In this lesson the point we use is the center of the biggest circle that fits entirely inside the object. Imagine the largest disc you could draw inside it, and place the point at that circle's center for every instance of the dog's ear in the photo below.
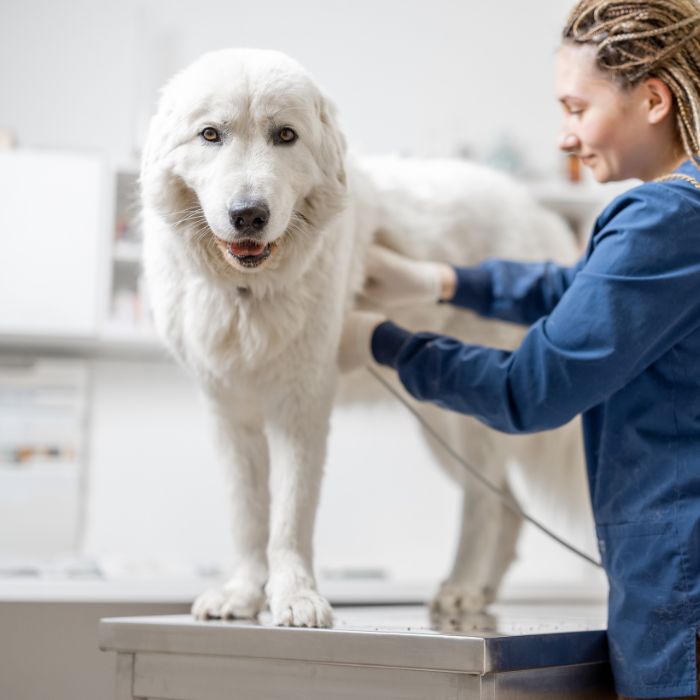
(160, 135)
(333, 146)
(155, 148)
(160, 187)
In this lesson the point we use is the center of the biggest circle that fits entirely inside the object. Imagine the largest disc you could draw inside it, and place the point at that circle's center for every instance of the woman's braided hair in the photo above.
(639, 39)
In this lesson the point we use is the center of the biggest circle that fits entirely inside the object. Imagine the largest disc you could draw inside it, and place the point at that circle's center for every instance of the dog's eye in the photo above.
(210, 134)
(286, 135)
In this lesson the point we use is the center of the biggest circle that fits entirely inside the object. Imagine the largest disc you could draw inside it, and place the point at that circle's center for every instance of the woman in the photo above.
(615, 338)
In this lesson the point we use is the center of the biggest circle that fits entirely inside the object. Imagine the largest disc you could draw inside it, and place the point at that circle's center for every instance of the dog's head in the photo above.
(245, 162)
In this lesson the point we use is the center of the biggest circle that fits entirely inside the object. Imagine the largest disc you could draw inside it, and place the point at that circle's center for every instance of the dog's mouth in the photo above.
(248, 252)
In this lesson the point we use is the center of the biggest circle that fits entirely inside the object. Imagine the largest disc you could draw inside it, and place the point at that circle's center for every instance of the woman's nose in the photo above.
(569, 142)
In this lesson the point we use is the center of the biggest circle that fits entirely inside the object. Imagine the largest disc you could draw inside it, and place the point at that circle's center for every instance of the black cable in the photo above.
(507, 499)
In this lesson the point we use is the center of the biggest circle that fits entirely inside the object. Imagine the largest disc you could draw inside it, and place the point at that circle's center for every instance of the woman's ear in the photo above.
(659, 100)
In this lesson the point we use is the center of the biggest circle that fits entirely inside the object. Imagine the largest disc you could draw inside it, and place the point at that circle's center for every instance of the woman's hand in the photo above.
(395, 280)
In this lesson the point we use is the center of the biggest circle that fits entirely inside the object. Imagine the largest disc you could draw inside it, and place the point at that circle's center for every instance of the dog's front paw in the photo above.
(458, 599)
(233, 601)
(301, 608)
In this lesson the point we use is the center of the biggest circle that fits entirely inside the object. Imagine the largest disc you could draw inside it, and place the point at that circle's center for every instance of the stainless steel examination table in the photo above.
(523, 651)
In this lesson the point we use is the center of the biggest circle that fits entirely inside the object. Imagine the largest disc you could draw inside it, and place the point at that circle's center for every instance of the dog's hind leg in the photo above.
(244, 448)
(466, 589)
(471, 584)
(504, 554)
(298, 438)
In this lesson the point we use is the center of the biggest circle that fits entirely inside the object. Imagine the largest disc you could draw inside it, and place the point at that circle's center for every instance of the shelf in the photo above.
(117, 334)
(121, 342)
(112, 343)
(577, 199)
(91, 590)
(39, 470)
(127, 252)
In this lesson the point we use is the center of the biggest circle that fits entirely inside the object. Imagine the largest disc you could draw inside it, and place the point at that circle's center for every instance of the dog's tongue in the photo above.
(243, 248)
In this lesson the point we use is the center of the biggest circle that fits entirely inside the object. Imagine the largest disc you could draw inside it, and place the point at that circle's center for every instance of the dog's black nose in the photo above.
(249, 216)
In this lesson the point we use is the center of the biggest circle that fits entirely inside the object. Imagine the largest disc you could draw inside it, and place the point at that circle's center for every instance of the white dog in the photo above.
(256, 227)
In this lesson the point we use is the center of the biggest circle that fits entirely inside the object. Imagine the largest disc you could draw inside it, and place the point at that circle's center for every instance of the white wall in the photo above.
(410, 77)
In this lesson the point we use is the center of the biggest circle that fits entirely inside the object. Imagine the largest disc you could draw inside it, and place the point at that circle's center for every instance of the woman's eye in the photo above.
(286, 135)
(210, 134)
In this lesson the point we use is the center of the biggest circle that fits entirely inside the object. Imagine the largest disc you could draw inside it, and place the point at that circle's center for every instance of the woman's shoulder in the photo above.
(661, 202)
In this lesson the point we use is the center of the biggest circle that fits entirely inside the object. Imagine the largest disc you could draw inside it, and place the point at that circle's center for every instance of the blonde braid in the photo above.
(638, 39)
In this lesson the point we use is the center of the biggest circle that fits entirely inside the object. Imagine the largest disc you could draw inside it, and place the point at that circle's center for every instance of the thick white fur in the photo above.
(262, 343)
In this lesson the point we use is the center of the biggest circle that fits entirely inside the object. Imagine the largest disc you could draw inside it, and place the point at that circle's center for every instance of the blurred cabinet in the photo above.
(128, 317)
(43, 414)
(51, 243)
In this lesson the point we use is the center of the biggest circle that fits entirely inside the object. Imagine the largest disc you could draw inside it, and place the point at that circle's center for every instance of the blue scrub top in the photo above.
(617, 339)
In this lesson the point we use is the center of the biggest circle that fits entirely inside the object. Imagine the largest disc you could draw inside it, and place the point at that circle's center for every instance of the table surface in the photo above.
(507, 637)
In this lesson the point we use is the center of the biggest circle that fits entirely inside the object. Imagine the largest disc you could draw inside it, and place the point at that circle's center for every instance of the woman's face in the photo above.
(606, 126)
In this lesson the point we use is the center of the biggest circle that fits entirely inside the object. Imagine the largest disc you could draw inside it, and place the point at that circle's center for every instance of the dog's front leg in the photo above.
(298, 438)
(243, 447)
